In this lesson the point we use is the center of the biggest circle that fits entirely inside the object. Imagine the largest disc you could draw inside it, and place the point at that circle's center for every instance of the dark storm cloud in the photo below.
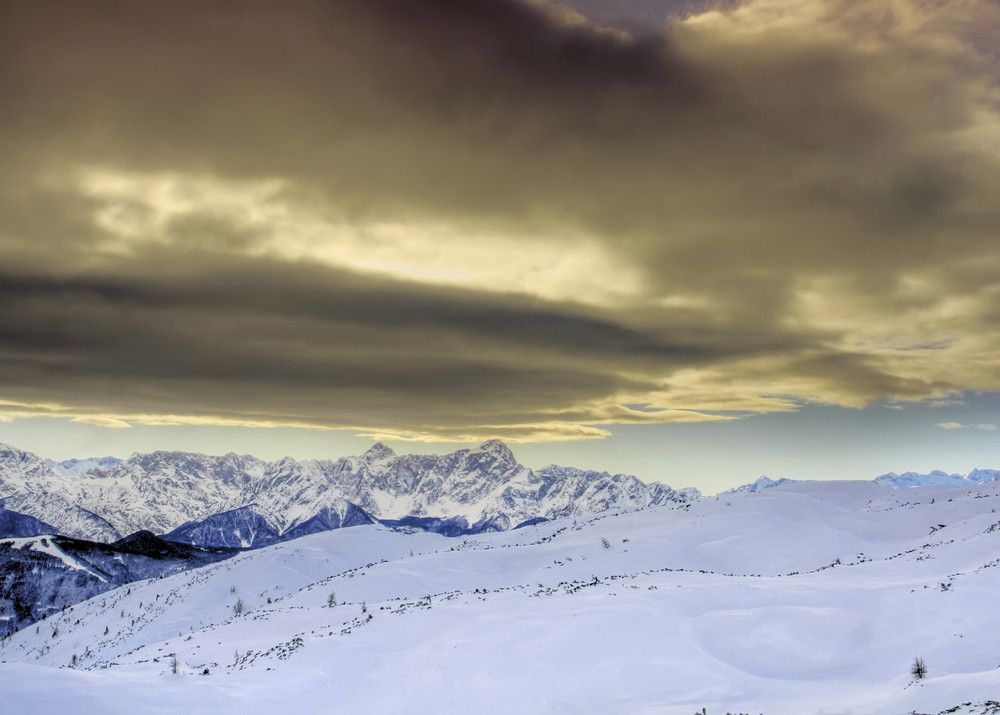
(782, 194)
(246, 336)
(278, 291)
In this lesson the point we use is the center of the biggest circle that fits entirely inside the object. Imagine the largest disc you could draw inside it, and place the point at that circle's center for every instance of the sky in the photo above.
(693, 241)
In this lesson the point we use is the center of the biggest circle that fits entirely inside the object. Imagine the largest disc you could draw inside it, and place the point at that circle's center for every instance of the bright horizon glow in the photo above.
(710, 456)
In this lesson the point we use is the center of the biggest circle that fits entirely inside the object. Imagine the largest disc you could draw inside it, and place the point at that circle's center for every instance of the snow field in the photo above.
(806, 598)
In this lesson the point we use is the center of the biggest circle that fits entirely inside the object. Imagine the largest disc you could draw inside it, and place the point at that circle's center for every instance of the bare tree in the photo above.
(919, 669)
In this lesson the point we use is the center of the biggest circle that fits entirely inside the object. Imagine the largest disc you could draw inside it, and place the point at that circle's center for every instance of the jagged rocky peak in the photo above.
(496, 449)
(241, 460)
(378, 451)
(286, 464)
(154, 461)
(18, 461)
(11, 453)
(74, 468)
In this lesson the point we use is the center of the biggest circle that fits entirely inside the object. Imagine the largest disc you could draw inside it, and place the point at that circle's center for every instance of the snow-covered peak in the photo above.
(10, 455)
(761, 483)
(492, 455)
(378, 452)
(907, 480)
(285, 464)
(74, 468)
(158, 461)
(18, 467)
(496, 448)
(979, 476)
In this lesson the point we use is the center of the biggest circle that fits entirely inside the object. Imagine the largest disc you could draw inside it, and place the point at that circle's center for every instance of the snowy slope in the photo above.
(40, 575)
(811, 598)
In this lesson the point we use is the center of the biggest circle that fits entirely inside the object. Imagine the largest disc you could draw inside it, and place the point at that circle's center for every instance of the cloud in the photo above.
(986, 427)
(101, 421)
(461, 218)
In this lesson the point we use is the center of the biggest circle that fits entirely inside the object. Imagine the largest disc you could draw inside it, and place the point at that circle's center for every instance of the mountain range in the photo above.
(244, 502)
(937, 478)
(240, 501)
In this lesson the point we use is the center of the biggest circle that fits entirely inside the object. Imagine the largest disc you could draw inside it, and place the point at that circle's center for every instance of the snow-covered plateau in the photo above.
(812, 597)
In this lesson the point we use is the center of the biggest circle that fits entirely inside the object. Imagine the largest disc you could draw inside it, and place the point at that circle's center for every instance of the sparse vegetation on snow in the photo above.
(807, 598)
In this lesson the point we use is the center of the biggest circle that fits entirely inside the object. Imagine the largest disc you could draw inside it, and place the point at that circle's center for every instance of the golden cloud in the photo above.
(449, 220)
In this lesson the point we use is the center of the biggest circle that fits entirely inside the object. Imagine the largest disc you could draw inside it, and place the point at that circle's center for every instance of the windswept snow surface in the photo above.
(812, 598)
